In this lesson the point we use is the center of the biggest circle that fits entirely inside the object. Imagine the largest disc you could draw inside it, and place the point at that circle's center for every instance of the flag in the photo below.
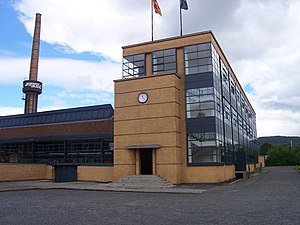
(156, 7)
(184, 5)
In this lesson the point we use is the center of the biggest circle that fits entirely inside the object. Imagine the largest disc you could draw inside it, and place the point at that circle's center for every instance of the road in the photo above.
(272, 197)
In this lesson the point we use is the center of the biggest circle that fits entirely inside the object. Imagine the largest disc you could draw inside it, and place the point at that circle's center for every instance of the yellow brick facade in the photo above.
(161, 120)
(157, 121)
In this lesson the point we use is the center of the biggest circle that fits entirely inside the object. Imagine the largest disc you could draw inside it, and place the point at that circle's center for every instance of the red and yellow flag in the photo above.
(156, 7)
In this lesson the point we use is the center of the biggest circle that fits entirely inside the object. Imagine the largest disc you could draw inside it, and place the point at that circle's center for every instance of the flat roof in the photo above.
(169, 39)
(97, 112)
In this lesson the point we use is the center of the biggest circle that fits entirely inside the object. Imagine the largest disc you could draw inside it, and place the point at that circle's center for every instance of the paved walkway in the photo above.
(89, 186)
(94, 186)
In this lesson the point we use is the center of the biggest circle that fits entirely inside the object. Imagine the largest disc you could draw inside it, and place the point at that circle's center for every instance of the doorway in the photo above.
(65, 173)
(146, 162)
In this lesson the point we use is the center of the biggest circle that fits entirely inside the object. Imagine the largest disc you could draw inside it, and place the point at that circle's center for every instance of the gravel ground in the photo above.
(272, 197)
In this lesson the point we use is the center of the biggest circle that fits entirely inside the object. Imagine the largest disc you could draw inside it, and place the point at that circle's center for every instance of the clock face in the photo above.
(143, 97)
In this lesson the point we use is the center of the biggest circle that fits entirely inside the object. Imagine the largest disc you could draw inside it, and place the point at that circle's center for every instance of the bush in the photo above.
(281, 155)
(296, 152)
(264, 148)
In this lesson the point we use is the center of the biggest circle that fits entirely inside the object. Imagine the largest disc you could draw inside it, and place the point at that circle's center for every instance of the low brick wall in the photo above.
(95, 173)
(208, 174)
(250, 168)
(21, 172)
(261, 160)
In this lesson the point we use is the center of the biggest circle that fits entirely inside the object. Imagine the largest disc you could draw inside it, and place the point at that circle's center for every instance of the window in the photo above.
(202, 148)
(134, 66)
(198, 58)
(82, 152)
(200, 102)
(164, 61)
(232, 88)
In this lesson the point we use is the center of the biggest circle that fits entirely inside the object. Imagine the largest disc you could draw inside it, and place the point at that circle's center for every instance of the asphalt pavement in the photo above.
(271, 197)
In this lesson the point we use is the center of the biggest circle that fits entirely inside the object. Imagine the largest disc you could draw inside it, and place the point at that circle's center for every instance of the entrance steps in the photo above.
(141, 181)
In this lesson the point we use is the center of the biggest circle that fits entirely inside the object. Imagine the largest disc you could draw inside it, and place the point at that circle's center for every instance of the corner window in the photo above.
(134, 66)
(198, 58)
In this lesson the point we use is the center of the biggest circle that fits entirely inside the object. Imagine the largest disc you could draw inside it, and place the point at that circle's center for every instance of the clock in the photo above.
(143, 97)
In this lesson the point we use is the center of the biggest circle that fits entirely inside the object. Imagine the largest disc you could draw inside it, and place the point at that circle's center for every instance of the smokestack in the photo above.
(32, 87)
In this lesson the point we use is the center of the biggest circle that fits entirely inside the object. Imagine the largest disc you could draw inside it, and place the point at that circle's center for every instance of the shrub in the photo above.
(281, 155)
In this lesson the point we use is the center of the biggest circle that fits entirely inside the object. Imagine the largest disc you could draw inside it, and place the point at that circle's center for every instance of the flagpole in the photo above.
(180, 20)
(151, 20)
(182, 5)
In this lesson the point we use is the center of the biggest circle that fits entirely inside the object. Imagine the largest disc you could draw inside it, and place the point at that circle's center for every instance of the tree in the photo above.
(296, 153)
(281, 155)
(264, 148)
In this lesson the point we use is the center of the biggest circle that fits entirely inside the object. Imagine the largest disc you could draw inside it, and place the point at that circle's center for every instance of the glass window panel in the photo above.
(194, 106)
(192, 70)
(192, 99)
(170, 67)
(205, 46)
(207, 98)
(129, 58)
(158, 61)
(190, 56)
(203, 69)
(158, 68)
(192, 48)
(192, 92)
(207, 113)
(170, 52)
(157, 54)
(141, 71)
(139, 57)
(204, 54)
(194, 114)
(191, 63)
(207, 105)
(169, 59)
(139, 64)
(204, 61)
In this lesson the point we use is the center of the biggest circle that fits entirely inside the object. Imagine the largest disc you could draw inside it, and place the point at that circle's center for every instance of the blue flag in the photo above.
(184, 5)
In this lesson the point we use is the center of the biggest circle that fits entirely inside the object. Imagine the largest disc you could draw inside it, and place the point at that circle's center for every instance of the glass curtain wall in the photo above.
(203, 105)
(213, 95)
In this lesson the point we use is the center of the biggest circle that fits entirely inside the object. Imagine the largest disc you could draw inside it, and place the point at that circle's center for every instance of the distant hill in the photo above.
(276, 140)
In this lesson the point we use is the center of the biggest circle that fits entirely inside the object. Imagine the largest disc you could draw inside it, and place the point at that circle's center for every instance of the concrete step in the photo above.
(142, 181)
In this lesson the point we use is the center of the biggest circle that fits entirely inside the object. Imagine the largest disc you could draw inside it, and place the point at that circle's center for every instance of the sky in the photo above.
(81, 52)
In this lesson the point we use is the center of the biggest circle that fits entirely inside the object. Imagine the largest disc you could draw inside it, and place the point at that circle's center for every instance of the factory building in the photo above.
(180, 113)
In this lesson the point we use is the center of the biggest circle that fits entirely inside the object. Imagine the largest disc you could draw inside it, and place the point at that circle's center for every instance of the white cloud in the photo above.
(78, 82)
(69, 74)
(91, 25)
(266, 54)
(4, 111)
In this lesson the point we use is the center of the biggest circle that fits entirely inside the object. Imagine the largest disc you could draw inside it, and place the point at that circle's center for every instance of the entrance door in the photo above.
(65, 173)
(146, 161)
(240, 164)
